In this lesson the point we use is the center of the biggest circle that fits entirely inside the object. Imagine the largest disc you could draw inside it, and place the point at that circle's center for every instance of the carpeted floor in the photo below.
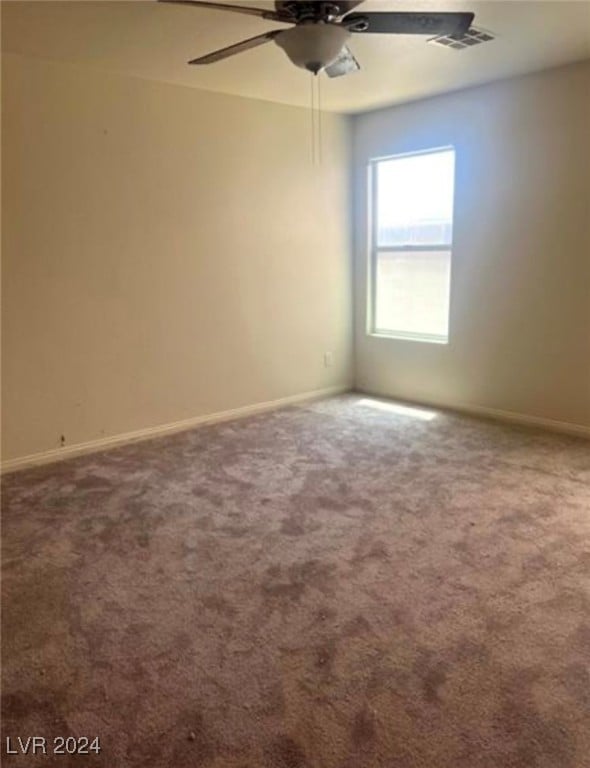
(329, 586)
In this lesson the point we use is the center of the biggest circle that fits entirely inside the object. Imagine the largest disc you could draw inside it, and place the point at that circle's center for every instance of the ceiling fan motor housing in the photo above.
(313, 46)
(316, 10)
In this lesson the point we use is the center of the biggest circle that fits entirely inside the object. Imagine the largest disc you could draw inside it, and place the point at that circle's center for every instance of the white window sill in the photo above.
(409, 337)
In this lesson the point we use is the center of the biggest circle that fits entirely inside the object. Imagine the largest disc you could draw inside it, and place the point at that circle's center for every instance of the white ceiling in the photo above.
(147, 39)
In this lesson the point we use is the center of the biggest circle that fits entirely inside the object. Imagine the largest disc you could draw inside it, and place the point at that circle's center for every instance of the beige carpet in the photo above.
(338, 585)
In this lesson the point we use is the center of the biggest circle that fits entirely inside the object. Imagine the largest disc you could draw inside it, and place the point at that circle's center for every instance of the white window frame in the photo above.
(374, 250)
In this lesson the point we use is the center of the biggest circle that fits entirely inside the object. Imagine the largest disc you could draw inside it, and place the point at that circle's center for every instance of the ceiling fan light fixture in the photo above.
(313, 46)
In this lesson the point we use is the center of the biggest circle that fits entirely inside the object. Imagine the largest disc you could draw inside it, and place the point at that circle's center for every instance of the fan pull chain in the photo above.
(319, 81)
(312, 114)
(316, 120)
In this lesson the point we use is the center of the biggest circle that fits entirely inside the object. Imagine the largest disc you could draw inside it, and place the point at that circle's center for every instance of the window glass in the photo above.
(413, 233)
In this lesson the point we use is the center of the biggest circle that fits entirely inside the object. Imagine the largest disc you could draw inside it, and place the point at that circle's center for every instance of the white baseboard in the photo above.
(510, 417)
(92, 446)
(524, 419)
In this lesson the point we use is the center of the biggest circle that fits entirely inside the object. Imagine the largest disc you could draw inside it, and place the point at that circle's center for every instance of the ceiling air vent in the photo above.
(459, 42)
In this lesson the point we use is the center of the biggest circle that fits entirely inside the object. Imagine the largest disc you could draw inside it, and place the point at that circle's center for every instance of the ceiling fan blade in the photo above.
(231, 50)
(260, 12)
(343, 65)
(410, 23)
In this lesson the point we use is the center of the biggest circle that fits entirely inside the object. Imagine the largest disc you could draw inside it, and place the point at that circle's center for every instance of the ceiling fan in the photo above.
(317, 39)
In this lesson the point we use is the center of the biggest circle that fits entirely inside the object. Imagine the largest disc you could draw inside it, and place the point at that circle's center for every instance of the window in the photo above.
(411, 240)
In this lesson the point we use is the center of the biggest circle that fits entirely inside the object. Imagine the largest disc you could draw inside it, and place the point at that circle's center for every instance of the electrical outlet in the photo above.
(328, 359)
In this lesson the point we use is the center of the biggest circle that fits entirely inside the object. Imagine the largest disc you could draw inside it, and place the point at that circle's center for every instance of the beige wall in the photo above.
(167, 253)
(520, 295)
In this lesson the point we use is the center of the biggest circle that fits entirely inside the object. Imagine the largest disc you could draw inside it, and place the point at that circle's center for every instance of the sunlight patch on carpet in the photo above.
(399, 410)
